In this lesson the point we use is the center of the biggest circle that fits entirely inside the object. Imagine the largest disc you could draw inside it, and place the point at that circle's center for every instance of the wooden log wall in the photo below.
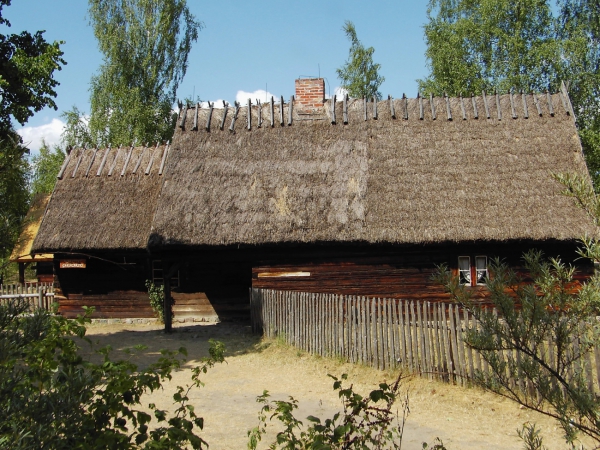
(422, 337)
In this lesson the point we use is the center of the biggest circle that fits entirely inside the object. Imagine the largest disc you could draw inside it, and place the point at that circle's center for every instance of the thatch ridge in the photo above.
(525, 107)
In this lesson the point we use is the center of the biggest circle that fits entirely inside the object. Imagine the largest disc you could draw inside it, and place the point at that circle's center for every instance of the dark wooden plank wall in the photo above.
(215, 282)
(397, 272)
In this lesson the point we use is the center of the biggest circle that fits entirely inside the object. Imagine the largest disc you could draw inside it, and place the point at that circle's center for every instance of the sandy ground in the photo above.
(464, 418)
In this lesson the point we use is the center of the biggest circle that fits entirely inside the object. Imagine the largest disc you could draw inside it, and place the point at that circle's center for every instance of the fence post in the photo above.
(40, 298)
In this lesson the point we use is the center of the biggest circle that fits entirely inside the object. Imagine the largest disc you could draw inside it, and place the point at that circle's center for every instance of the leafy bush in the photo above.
(365, 422)
(157, 299)
(531, 314)
(51, 397)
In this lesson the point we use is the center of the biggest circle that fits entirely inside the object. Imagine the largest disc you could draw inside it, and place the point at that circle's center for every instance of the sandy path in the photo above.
(462, 418)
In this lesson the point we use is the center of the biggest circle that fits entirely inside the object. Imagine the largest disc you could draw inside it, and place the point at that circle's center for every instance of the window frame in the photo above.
(470, 276)
(477, 270)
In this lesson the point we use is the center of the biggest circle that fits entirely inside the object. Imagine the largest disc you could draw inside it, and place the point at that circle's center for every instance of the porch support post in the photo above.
(22, 273)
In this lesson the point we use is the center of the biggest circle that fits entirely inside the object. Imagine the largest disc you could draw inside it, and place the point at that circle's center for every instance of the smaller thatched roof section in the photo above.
(104, 199)
(424, 170)
(31, 224)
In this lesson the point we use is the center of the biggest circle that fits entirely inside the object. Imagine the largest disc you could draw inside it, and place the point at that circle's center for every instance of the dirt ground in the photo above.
(464, 418)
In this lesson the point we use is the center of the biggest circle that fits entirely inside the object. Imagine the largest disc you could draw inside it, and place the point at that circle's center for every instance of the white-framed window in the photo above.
(158, 277)
(472, 275)
(481, 269)
(464, 270)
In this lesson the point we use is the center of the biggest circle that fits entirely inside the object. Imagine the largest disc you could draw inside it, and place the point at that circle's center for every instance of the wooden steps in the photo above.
(134, 305)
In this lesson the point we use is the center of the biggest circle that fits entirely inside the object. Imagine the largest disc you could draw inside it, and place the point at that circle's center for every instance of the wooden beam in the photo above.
(260, 121)
(365, 107)
(139, 161)
(168, 271)
(448, 110)
(537, 104)
(65, 163)
(421, 115)
(405, 106)
(345, 108)
(149, 166)
(392, 109)
(249, 115)
(485, 105)
(474, 102)
(164, 159)
(81, 152)
(103, 162)
(512, 105)
(127, 159)
(183, 116)
(462, 107)
(498, 108)
(566, 100)
(272, 112)
(525, 110)
(281, 121)
(333, 109)
(114, 163)
(89, 167)
(235, 114)
(550, 105)
(195, 127)
(374, 100)
(291, 110)
(225, 107)
(431, 102)
(209, 118)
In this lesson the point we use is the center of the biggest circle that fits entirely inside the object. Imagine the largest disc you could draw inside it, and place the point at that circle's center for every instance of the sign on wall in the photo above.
(73, 264)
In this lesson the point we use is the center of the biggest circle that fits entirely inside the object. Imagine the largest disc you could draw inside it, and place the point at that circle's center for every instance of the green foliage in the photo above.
(53, 398)
(46, 165)
(26, 74)
(365, 422)
(579, 29)
(145, 44)
(501, 44)
(360, 75)
(490, 44)
(157, 299)
(530, 435)
(529, 313)
(14, 194)
(76, 132)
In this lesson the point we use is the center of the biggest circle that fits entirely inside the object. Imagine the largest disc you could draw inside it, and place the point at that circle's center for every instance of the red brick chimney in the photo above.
(310, 92)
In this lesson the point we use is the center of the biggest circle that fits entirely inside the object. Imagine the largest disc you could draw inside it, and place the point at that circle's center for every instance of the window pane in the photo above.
(481, 269)
(464, 269)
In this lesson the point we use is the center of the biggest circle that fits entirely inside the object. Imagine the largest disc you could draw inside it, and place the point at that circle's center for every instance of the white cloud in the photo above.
(260, 94)
(50, 132)
(339, 92)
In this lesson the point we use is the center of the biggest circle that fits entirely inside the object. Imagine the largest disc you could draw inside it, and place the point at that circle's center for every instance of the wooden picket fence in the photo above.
(421, 337)
(38, 295)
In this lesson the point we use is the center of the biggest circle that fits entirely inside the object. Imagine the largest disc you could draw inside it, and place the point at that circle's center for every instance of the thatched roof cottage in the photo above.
(320, 195)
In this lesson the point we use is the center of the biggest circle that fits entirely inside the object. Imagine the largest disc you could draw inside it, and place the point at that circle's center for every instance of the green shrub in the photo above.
(157, 299)
(364, 422)
(51, 397)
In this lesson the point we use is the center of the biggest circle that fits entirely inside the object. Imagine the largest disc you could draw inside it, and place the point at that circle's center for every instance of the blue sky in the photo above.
(245, 47)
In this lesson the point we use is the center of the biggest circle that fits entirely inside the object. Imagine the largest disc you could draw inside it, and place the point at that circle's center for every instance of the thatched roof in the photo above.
(104, 199)
(22, 251)
(453, 173)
